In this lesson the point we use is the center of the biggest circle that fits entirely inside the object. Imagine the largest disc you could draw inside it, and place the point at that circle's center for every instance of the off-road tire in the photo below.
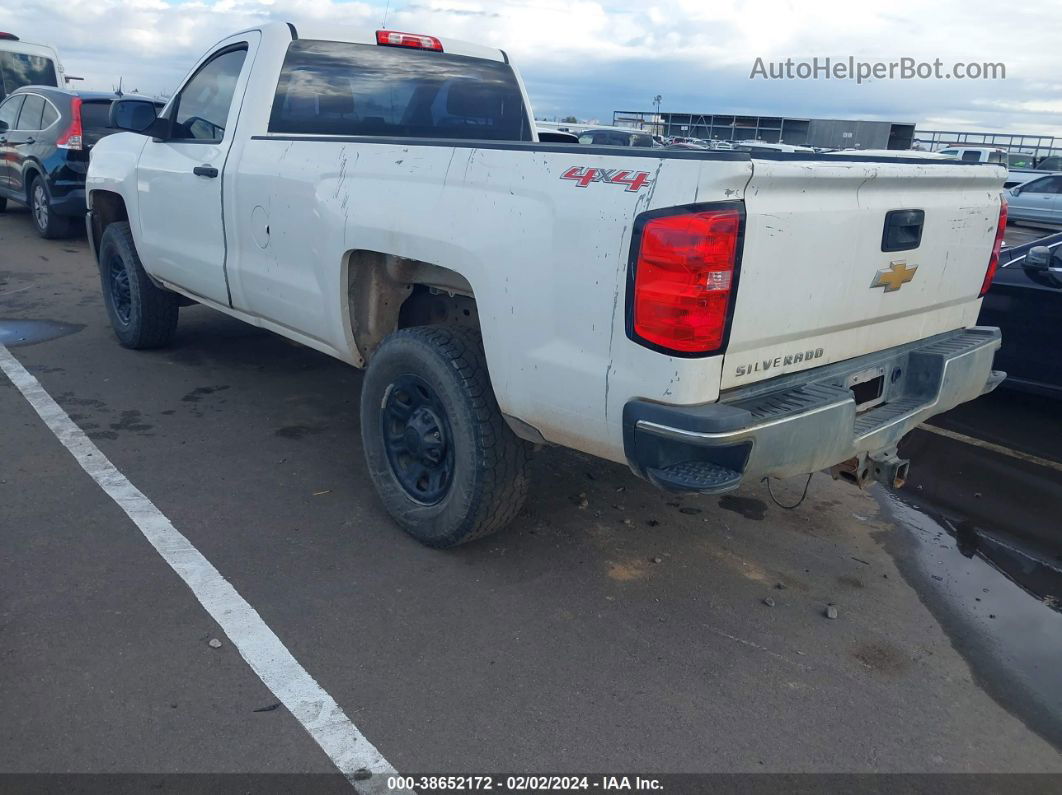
(149, 318)
(489, 480)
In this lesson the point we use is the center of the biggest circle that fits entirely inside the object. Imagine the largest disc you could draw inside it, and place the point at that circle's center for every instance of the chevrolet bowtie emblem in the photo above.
(894, 277)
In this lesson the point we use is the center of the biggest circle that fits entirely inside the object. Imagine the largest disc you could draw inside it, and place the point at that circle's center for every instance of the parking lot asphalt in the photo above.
(612, 627)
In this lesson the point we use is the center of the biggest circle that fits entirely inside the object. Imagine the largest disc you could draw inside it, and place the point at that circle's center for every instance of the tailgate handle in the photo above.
(903, 230)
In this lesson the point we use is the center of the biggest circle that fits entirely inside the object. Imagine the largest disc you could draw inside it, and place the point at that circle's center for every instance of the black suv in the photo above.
(45, 137)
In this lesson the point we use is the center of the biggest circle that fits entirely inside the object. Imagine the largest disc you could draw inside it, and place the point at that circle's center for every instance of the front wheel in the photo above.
(442, 458)
(49, 225)
(142, 314)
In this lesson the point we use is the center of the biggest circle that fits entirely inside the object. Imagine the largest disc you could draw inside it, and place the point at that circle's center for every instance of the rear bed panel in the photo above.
(813, 242)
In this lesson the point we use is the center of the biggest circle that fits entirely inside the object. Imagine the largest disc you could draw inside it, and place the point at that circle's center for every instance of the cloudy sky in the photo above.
(590, 58)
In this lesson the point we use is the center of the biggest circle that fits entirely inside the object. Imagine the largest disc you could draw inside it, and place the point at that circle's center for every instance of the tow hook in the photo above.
(882, 466)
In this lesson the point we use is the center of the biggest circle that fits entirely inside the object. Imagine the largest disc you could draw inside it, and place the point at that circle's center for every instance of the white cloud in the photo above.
(589, 58)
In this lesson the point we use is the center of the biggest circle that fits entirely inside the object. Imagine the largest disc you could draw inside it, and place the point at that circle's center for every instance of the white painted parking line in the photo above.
(995, 448)
(317, 711)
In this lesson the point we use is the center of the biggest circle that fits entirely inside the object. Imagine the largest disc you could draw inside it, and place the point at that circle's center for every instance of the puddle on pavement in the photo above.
(1000, 604)
(29, 332)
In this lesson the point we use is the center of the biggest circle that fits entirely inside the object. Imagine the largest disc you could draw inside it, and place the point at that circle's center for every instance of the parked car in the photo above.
(46, 135)
(25, 64)
(696, 315)
(976, 154)
(1025, 302)
(1038, 201)
(615, 137)
(548, 136)
(1023, 168)
(753, 145)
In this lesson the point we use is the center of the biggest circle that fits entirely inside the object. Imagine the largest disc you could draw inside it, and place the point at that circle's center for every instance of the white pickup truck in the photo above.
(709, 318)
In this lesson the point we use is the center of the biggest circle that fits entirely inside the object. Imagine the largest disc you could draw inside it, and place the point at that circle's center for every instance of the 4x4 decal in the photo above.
(583, 176)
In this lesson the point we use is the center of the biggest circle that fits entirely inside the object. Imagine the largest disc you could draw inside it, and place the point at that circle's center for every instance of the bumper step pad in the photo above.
(701, 476)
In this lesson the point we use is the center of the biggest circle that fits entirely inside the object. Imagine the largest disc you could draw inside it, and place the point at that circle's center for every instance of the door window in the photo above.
(50, 117)
(971, 156)
(202, 108)
(1046, 185)
(9, 112)
(30, 116)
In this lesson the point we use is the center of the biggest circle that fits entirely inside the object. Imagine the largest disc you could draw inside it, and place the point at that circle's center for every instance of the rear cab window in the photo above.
(338, 88)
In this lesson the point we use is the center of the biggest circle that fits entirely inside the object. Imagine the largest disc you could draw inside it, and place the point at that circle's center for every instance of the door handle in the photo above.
(205, 171)
(28, 141)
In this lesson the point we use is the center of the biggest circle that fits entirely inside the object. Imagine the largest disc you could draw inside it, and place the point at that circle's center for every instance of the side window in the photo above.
(1045, 185)
(32, 110)
(51, 115)
(9, 112)
(1050, 164)
(971, 156)
(202, 107)
(952, 152)
(997, 157)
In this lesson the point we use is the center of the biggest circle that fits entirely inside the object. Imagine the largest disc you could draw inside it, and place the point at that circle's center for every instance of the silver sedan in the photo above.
(1038, 201)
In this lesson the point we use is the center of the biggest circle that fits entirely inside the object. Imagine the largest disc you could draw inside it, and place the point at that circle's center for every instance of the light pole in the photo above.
(656, 101)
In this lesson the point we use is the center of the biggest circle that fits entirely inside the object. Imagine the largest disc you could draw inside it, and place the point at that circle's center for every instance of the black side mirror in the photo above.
(1038, 258)
(134, 115)
(1042, 258)
(1016, 190)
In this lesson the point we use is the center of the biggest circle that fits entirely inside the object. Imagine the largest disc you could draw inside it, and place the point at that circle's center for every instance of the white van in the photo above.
(25, 64)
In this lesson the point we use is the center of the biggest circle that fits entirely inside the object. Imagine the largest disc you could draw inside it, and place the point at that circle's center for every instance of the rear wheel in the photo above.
(49, 225)
(142, 315)
(442, 458)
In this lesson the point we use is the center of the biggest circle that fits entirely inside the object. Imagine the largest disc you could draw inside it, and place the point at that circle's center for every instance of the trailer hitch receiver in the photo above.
(881, 466)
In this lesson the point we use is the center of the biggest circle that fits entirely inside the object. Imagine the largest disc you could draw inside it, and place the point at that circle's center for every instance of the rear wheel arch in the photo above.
(30, 171)
(385, 293)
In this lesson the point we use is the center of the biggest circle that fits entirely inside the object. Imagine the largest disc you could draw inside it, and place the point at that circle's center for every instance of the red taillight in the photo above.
(71, 137)
(392, 38)
(993, 261)
(683, 279)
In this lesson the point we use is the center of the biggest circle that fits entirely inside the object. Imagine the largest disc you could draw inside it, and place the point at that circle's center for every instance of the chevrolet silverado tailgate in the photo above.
(816, 285)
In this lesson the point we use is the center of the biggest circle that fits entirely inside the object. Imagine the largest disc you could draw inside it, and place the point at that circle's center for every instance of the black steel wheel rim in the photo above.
(121, 298)
(418, 440)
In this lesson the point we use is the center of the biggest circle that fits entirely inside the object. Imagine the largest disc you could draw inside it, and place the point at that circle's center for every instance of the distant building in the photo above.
(827, 133)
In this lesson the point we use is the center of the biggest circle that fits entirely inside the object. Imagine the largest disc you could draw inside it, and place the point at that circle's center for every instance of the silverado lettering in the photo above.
(778, 361)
